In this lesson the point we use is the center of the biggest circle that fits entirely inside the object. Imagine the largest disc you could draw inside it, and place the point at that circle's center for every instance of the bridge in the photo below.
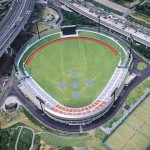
(140, 37)
(13, 22)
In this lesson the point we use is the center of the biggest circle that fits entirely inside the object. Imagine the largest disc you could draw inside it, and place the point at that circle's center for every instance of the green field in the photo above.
(141, 66)
(106, 40)
(91, 141)
(38, 44)
(25, 139)
(134, 133)
(56, 64)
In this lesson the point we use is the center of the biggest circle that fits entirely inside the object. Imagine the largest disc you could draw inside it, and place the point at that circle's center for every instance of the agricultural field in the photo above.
(134, 132)
(74, 71)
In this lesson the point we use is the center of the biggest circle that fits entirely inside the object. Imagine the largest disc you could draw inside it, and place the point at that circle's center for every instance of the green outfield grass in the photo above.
(35, 46)
(56, 63)
(134, 133)
(105, 39)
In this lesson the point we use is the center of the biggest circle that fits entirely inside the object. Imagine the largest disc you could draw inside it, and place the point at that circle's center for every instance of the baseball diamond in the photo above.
(74, 76)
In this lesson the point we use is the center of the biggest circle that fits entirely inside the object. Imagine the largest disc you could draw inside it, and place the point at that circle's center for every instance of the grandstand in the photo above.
(59, 112)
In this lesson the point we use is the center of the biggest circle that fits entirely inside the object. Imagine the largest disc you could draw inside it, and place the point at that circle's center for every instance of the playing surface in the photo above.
(73, 71)
(134, 133)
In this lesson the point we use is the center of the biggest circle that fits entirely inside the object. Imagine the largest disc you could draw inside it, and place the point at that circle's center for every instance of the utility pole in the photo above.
(13, 57)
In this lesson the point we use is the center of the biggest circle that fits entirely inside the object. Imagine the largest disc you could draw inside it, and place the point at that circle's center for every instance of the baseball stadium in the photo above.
(73, 75)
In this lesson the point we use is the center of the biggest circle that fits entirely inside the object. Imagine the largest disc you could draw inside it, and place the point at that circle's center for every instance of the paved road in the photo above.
(61, 17)
(14, 21)
(110, 26)
(2, 1)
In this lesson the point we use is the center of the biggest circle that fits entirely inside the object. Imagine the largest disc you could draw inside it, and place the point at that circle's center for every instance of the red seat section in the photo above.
(96, 105)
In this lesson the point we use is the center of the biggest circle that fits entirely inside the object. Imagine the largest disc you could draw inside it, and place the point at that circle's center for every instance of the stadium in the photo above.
(73, 75)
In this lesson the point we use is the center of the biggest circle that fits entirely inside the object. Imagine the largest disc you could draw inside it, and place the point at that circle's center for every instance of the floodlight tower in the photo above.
(99, 21)
(37, 30)
(113, 94)
(41, 102)
(131, 38)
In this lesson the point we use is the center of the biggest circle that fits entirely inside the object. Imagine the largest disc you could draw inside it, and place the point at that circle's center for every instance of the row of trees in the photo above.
(122, 1)
(142, 50)
(73, 18)
(144, 9)
(138, 21)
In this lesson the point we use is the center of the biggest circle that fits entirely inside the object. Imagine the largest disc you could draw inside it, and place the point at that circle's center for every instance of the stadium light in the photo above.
(37, 30)
(113, 94)
(13, 57)
(41, 102)
(131, 38)
(99, 21)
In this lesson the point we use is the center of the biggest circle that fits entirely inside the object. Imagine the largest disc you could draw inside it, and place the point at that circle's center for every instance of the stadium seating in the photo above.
(96, 105)
(54, 107)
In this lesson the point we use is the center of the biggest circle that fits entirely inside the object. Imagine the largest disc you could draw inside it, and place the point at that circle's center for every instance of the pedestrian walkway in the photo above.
(33, 137)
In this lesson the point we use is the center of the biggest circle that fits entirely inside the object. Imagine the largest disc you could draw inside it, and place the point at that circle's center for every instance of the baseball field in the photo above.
(73, 71)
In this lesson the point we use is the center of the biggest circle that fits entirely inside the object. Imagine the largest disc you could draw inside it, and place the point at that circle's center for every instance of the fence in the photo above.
(123, 118)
